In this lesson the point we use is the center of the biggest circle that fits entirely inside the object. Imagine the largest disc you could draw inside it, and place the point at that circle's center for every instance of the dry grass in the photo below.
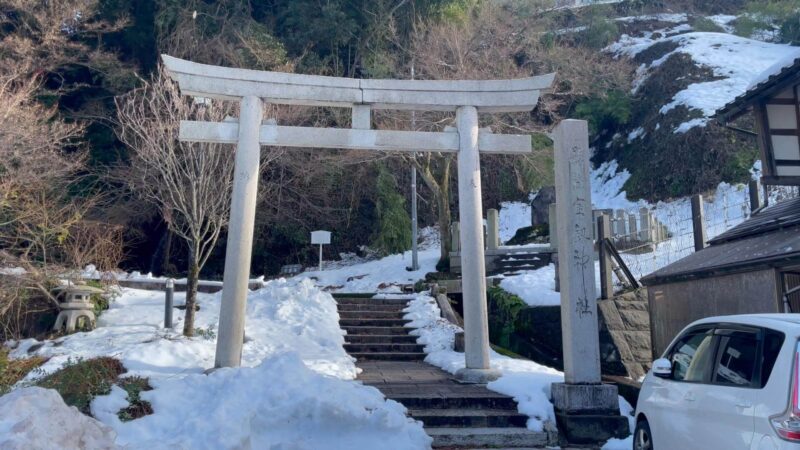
(13, 370)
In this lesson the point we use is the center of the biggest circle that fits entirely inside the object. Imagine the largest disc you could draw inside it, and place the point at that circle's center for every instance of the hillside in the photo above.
(671, 145)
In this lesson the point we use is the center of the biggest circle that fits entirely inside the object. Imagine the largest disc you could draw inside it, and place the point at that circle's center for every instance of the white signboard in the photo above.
(321, 237)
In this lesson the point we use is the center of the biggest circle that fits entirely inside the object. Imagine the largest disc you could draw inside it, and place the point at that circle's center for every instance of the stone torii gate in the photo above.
(253, 88)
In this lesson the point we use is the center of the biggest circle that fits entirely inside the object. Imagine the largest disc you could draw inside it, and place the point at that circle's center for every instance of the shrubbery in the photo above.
(605, 113)
(779, 18)
(393, 234)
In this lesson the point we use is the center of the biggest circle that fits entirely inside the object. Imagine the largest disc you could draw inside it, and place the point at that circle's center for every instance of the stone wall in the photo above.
(626, 321)
(535, 332)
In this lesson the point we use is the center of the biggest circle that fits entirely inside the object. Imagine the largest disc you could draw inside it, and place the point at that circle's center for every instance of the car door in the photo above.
(725, 409)
(672, 406)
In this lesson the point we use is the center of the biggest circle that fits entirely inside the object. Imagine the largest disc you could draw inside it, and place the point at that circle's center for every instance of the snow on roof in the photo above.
(785, 61)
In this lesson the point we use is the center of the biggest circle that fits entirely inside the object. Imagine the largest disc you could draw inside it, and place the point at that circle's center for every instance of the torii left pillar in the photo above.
(473, 261)
(239, 249)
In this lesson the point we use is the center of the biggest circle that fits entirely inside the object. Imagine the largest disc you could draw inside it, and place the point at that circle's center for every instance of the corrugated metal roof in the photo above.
(773, 84)
(781, 215)
(770, 248)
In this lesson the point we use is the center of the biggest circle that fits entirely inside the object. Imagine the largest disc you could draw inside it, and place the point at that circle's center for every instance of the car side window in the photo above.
(773, 342)
(736, 358)
(692, 356)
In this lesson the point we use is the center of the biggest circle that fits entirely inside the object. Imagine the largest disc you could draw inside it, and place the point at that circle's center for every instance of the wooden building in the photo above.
(755, 266)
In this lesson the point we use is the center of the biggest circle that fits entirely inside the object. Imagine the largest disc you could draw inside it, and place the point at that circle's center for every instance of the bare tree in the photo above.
(189, 182)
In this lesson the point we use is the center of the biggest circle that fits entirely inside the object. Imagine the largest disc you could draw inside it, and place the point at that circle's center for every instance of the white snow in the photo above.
(37, 418)
(686, 126)
(534, 287)
(665, 17)
(513, 216)
(294, 391)
(737, 62)
(383, 275)
(636, 134)
(724, 21)
(278, 404)
(283, 316)
(786, 60)
(526, 381)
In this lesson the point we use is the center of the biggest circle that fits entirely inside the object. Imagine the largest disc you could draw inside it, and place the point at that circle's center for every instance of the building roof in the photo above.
(781, 215)
(772, 81)
(770, 238)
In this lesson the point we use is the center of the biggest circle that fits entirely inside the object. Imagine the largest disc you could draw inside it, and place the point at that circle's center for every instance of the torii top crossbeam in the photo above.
(251, 88)
(490, 96)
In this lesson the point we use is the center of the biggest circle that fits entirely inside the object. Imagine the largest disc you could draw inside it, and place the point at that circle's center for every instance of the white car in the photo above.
(727, 383)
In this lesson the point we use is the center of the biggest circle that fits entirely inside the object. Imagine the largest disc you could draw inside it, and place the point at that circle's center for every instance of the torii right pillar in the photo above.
(587, 411)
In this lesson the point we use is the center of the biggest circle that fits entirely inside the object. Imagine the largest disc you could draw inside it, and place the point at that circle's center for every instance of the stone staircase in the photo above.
(455, 415)
(515, 263)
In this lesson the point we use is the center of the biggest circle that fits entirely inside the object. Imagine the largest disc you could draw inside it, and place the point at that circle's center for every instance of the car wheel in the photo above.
(642, 437)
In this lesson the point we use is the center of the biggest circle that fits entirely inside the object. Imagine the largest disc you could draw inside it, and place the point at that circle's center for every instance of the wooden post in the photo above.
(755, 200)
(698, 223)
(603, 232)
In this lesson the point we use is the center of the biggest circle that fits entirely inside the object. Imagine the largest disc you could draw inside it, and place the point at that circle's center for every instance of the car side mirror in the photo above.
(662, 368)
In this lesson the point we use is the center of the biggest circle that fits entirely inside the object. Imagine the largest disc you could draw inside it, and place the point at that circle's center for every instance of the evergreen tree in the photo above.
(393, 233)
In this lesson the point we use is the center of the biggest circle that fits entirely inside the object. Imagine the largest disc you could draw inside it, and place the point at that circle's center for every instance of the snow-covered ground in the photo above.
(737, 64)
(295, 391)
(382, 275)
(526, 381)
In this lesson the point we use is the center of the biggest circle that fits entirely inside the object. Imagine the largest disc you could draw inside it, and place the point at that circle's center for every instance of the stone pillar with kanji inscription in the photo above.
(587, 411)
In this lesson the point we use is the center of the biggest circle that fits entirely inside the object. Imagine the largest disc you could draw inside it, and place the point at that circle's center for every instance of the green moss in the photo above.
(80, 381)
(505, 307)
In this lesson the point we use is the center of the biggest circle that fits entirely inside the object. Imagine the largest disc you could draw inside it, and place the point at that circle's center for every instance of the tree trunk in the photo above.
(443, 204)
(191, 291)
(440, 188)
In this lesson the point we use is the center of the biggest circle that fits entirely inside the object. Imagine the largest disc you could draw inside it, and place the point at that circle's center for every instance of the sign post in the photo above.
(320, 238)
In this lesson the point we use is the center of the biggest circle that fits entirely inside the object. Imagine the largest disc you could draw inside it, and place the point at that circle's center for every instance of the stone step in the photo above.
(463, 400)
(384, 348)
(487, 437)
(372, 301)
(382, 331)
(366, 307)
(396, 315)
(380, 339)
(461, 418)
(372, 322)
(391, 356)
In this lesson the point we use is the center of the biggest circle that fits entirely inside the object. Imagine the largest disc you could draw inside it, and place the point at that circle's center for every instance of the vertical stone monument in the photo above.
(587, 411)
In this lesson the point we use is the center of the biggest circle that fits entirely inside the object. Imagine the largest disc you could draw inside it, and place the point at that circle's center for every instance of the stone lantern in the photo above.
(75, 303)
